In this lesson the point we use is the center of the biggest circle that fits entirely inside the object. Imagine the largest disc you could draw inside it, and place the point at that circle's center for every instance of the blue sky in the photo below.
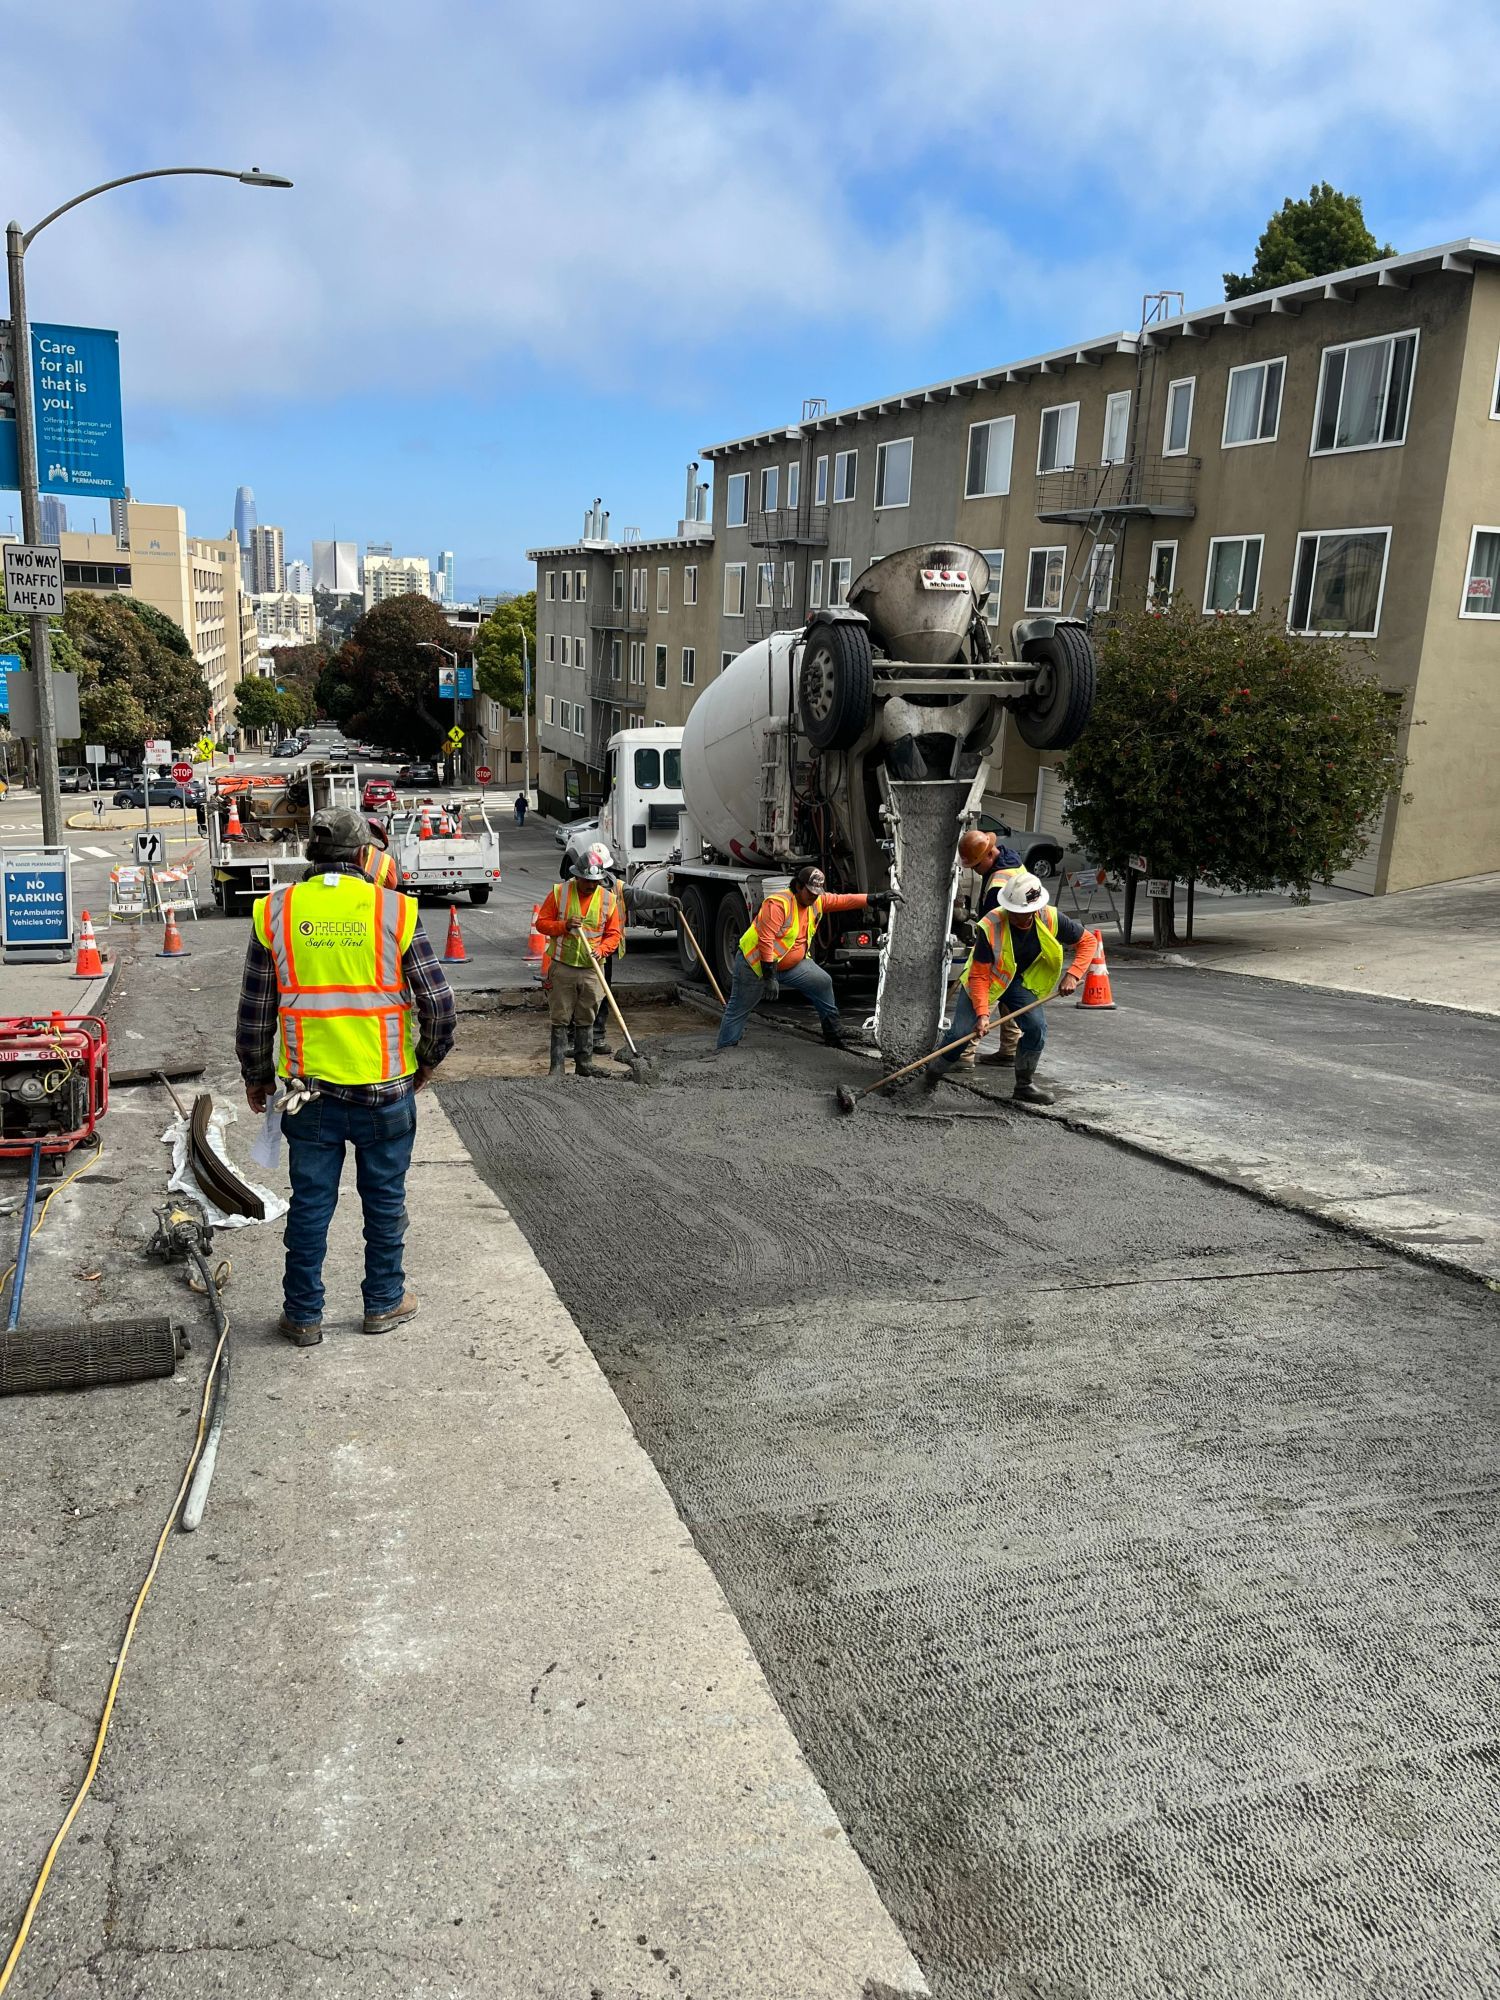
(537, 255)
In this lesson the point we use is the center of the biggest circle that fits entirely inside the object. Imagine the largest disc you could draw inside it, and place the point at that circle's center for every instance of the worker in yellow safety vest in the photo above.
(376, 860)
(995, 864)
(775, 952)
(339, 968)
(1019, 951)
(581, 916)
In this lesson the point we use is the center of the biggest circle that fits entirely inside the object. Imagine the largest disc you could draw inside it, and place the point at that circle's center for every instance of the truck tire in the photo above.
(695, 909)
(479, 895)
(835, 687)
(733, 921)
(1056, 710)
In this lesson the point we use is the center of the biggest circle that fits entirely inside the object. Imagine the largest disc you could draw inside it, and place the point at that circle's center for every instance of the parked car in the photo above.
(419, 774)
(163, 793)
(75, 778)
(378, 792)
(575, 828)
(290, 748)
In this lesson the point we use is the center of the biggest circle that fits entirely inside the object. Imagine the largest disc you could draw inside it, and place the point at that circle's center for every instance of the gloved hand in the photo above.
(882, 899)
(773, 987)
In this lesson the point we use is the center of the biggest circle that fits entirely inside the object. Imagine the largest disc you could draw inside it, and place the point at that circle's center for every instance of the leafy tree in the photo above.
(498, 668)
(1228, 750)
(258, 704)
(1308, 239)
(136, 675)
(384, 685)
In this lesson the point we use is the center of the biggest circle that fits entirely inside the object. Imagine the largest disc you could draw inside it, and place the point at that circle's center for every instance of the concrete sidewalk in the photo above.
(441, 1699)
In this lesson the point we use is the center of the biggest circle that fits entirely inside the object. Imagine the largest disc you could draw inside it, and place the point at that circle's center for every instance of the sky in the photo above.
(538, 255)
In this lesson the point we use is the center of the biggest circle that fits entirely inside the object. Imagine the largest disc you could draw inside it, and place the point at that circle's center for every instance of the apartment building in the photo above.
(1328, 451)
(267, 561)
(197, 583)
(286, 614)
(387, 575)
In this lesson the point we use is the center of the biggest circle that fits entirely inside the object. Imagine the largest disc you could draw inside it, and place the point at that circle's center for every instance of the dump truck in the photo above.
(863, 742)
(274, 814)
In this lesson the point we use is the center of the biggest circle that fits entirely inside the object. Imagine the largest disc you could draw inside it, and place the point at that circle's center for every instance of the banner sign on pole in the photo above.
(36, 904)
(10, 663)
(75, 377)
(447, 682)
(466, 683)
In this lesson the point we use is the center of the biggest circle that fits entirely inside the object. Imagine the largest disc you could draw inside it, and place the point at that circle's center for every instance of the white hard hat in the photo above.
(594, 863)
(1023, 895)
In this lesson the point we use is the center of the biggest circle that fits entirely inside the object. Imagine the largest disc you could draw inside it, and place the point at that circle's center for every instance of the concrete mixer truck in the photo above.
(863, 742)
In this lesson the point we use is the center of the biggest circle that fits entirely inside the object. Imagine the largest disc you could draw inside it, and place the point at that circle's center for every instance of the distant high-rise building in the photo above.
(335, 567)
(267, 560)
(299, 579)
(119, 520)
(396, 576)
(244, 523)
(446, 590)
(54, 518)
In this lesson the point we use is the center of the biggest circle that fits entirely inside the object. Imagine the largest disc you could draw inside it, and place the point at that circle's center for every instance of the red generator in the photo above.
(54, 1082)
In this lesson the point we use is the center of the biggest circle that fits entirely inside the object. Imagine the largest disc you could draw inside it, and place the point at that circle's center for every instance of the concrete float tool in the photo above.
(848, 1100)
(640, 1066)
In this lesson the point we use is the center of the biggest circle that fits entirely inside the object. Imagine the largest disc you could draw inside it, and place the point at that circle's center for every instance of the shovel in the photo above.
(638, 1065)
(848, 1100)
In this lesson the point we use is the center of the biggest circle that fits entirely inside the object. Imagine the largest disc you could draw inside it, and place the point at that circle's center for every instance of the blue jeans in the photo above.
(1032, 1027)
(747, 989)
(381, 1135)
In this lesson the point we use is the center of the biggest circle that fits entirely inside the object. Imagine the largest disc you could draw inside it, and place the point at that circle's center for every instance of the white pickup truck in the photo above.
(444, 864)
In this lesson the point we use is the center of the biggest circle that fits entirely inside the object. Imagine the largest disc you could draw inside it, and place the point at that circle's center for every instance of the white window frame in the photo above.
(996, 560)
(689, 666)
(793, 482)
(551, 648)
(765, 585)
(1235, 610)
(1168, 449)
(1483, 617)
(1111, 402)
(990, 425)
(552, 586)
(549, 711)
(1056, 410)
(690, 583)
(619, 590)
(659, 666)
(580, 585)
(733, 572)
(1096, 555)
(1151, 597)
(840, 576)
(820, 482)
(1226, 442)
(770, 482)
(1317, 535)
(616, 660)
(725, 660)
(635, 590)
(788, 584)
(737, 482)
(1411, 333)
(1047, 549)
(890, 444)
(815, 585)
(1495, 394)
(663, 590)
(565, 589)
(840, 460)
(580, 719)
(565, 717)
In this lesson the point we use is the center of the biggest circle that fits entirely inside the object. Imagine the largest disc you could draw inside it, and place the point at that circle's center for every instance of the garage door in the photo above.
(1051, 797)
(1361, 876)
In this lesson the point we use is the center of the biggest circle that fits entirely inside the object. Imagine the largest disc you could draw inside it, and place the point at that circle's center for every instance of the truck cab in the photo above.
(642, 808)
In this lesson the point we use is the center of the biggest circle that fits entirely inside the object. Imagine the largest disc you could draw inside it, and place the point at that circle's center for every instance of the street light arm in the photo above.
(253, 178)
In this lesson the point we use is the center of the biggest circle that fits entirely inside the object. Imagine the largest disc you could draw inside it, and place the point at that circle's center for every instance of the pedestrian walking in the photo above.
(520, 808)
(774, 952)
(1019, 951)
(342, 969)
(582, 914)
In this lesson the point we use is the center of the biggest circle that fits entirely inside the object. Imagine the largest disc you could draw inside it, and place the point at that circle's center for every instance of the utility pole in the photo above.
(525, 717)
(31, 533)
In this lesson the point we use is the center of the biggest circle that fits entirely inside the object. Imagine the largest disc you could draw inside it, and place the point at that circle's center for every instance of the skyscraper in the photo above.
(335, 568)
(446, 592)
(244, 522)
(54, 518)
(267, 566)
(299, 578)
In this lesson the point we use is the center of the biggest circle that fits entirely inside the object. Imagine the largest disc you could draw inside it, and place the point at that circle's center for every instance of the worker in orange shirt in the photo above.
(1018, 955)
(995, 864)
(774, 952)
(581, 914)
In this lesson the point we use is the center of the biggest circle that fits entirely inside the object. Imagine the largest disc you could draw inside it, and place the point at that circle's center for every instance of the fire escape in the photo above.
(779, 532)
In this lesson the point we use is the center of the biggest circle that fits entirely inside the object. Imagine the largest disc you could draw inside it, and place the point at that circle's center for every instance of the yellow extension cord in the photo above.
(13, 1957)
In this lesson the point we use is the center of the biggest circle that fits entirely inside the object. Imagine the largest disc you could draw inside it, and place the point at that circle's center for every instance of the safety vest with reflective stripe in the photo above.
(380, 866)
(592, 915)
(345, 1011)
(797, 927)
(1044, 970)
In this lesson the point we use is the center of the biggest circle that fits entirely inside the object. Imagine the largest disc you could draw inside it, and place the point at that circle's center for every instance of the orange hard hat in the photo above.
(975, 849)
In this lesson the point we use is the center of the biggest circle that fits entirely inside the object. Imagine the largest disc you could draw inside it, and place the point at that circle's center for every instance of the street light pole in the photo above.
(448, 653)
(17, 242)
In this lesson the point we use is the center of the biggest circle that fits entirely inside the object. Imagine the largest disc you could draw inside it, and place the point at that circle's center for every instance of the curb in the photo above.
(1134, 957)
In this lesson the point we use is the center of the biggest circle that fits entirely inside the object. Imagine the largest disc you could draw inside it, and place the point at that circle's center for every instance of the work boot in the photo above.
(600, 1039)
(300, 1332)
(833, 1034)
(1005, 1055)
(382, 1322)
(1025, 1091)
(557, 1053)
(583, 1051)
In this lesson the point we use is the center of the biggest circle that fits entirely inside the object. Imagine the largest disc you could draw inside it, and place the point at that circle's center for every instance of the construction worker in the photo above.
(995, 864)
(375, 859)
(341, 966)
(1019, 951)
(581, 913)
(774, 952)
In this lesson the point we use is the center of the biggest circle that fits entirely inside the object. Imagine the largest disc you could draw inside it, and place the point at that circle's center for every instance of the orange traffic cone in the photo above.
(232, 828)
(172, 945)
(90, 965)
(536, 944)
(1096, 991)
(453, 950)
(424, 831)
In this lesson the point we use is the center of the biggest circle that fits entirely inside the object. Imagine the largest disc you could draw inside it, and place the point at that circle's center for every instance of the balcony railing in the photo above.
(802, 526)
(1131, 486)
(616, 618)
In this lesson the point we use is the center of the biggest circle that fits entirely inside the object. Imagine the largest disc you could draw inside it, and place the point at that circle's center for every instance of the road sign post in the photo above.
(482, 775)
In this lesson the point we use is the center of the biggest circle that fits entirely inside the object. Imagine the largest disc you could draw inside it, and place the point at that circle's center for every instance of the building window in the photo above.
(845, 476)
(1045, 569)
(551, 649)
(1482, 585)
(1101, 576)
(725, 660)
(661, 666)
(770, 482)
(690, 584)
(549, 711)
(1116, 426)
(1252, 412)
(765, 584)
(996, 560)
(734, 590)
(815, 586)
(838, 581)
(788, 584)
(1179, 425)
(579, 719)
(565, 715)
(893, 474)
(567, 586)
(635, 590)
(614, 659)
(619, 590)
(794, 482)
(689, 666)
(1495, 397)
(1163, 579)
(580, 584)
(820, 482)
(551, 586)
(638, 666)
(738, 499)
(1058, 444)
(1233, 582)
(1339, 582)
(664, 590)
(1364, 394)
(990, 447)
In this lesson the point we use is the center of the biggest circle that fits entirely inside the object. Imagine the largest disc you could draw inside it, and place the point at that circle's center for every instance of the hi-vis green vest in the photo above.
(592, 915)
(1044, 970)
(797, 927)
(345, 1012)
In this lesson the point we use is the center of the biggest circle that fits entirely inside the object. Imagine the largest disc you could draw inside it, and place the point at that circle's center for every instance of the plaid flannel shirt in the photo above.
(255, 1027)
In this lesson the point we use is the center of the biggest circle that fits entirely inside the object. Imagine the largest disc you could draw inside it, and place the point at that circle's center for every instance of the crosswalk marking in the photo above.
(99, 853)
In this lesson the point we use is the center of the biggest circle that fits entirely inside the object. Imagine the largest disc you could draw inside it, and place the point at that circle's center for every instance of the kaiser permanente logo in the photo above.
(333, 930)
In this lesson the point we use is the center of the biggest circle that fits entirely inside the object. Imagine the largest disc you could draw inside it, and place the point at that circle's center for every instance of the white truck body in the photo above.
(446, 865)
(275, 814)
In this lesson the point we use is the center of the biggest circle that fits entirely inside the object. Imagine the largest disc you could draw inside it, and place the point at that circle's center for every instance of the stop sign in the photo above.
(483, 774)
(182, 774)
